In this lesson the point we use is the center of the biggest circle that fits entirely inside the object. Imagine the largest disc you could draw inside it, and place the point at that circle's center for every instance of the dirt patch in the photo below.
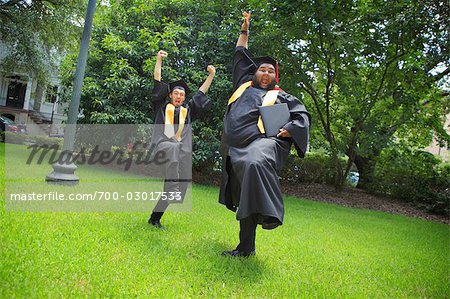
(349, 197)
(356, 198)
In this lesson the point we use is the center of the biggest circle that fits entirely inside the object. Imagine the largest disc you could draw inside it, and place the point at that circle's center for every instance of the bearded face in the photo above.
(265, 76)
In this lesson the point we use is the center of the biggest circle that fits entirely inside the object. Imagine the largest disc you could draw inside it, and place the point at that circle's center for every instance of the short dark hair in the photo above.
(178, 87)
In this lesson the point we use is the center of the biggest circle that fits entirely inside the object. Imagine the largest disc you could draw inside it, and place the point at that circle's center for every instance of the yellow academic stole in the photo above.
(169, 130)
(268, 100)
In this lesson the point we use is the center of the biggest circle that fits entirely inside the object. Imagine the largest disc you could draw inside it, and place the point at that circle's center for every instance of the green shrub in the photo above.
(316, 167)
(206, 156)
(16, 138)
(45, 140)
(414, 176)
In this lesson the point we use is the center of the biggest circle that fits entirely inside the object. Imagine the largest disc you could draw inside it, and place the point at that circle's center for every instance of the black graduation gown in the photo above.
(196, 106)
(178, 169)
(252, 162)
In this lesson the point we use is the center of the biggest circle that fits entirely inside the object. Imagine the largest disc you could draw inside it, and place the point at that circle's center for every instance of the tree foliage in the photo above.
(37, 33)
(414, 176)
(126, 37)
(368, 71)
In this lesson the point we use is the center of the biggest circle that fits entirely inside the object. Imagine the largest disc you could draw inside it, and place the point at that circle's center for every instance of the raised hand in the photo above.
(211, 69)
(162, 54)
(246, 20)
(211, 73)
(159, 57)
(243, 37)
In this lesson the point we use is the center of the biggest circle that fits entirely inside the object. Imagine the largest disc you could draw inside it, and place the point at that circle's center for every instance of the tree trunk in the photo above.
(366, 170)
(339, 179)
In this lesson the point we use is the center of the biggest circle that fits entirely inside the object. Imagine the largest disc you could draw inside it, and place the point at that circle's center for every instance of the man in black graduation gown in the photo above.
(170, 135)
(252, 161)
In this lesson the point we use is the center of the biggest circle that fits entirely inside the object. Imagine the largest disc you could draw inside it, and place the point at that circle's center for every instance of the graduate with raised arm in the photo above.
(171, 136)
(251, 160)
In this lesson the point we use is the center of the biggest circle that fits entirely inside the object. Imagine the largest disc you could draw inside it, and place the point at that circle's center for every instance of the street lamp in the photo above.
(64, 173)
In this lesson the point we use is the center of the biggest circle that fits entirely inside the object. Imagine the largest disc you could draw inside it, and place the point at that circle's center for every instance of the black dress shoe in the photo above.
(155, 223)
(237, 253)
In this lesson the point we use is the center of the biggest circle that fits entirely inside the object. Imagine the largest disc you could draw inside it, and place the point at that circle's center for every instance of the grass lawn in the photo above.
(322, 250)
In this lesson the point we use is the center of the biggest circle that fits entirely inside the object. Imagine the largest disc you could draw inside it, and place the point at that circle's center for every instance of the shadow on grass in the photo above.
(228, 270)
(179, 252)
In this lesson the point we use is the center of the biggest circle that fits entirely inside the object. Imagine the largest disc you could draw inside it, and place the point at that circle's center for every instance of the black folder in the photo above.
(274, 117)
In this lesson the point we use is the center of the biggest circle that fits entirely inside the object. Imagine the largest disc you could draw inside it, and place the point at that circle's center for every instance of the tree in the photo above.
(366, 67)
(126, 37)
(36, 33)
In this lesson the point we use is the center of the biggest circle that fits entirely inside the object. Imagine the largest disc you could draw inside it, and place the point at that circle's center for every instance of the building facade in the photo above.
(27, 101)
(437, 149)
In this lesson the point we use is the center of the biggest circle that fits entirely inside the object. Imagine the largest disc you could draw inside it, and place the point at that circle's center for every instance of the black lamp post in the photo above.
(64, 173)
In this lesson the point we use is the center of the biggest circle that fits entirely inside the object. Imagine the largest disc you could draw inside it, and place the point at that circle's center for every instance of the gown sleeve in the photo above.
(243, 67)
(199, 104)
(159, 94)
(298, 126)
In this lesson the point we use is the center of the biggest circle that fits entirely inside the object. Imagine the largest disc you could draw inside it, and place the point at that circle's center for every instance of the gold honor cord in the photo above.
(269, 99)
(170, 120)
(183, 115)
(236, 95)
